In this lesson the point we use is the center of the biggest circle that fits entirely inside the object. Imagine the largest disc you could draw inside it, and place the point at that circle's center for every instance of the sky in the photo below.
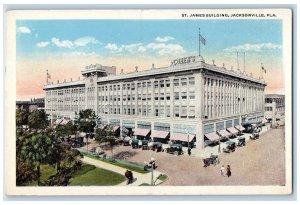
(65, 47)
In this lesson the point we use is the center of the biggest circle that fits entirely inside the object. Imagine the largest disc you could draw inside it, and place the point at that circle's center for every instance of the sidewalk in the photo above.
(139, 178)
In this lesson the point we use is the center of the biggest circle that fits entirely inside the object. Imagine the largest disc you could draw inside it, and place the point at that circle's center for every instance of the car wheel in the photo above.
(176, 153)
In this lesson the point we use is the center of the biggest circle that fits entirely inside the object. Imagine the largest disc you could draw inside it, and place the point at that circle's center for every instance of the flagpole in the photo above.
(47, 77)
(262, 77)
(199, 43)
(244, 63)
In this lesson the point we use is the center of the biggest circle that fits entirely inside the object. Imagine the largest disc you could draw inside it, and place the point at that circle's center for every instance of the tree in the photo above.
(86, 121)
(21, 117)
(109, 137)
(63, 130)
(38, 119)
(37, 150)
(24, 172)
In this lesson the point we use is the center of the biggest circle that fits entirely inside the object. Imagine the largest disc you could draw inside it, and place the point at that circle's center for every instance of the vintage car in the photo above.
(230, 147)
(241, 141)
(157, 146)
(213, 159)
(255, 134)
(145, 144)
(135, 143)
(175, 149)
(126, 141)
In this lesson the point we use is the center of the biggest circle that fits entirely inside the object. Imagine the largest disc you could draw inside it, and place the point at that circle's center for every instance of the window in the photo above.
(156, 111)
(167, 83)
(192, 112)
(191, 80)
(155, 84)
(183, 112)
(176, 82)
(162, 83)
(176, 95)
(183, 81)
(168, 112)
(176, 111)
(144, 84)
(192, 95)
(183, 95)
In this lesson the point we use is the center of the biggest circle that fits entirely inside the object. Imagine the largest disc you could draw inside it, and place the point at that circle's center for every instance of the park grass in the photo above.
(94, 176)
(132, 167)
(87, 175)
(46, 172)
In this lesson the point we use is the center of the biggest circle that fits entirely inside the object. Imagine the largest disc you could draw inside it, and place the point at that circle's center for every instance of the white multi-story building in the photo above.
(274, 107)
(189, 100)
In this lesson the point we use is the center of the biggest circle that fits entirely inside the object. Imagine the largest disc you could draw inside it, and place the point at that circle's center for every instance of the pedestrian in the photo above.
(222, 171)
(127, 175)
(189, 151)
(130, 177)
(228, 171)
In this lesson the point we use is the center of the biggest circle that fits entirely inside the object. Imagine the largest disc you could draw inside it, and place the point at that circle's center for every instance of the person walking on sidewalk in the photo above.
(228, 171)
(222, 171)
(189, 151)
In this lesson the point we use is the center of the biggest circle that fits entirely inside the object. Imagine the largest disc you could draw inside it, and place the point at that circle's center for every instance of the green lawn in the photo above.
(94, 176)
(133, 167)
(88, 175)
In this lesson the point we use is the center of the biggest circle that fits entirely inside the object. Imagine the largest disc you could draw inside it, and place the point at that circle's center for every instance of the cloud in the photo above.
(85, 40)
(253, 47)
(164, 39)
(131, 48)
(23, 29)
(111, 46)
(166, 49)
(142, 49)
(42, 44)
(62, 43)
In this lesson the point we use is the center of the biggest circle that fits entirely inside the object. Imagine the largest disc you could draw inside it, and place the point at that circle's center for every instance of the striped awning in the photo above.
(212, 136)
(232, 130)
(224, 133)
(159, 134)
(141, 132)
(57, 122)
(64, 122)
(182, 137)
(115, 128)
(240, 128)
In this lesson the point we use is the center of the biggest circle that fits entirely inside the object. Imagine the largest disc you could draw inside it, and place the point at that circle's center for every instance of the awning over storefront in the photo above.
(160, 134)
(212, 136)
(57, 122)
(182, 137)
(64, 122)
(141, 132)
(233, 130)
(240, 128)
(224, 133)
(115, 128)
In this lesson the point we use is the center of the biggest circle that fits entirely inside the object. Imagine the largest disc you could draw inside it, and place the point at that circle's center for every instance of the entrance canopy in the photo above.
(64, 122)
(240, 128)
(182, 137)
(212, 136)
(57, 122)
(160, 134)
(141, 132)
(232, 130)
(115, 128)
(224, 133)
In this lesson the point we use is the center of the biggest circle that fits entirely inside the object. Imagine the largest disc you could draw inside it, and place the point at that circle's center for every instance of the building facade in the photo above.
(274, 107)
(189, 100)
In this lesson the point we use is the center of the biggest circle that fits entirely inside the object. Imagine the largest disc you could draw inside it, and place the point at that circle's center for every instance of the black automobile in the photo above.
(241, 141)
(230, 147)
(255, 134)
(135, 143)
(175, 149)
(145, 144)
(157, 146)
(213, 159)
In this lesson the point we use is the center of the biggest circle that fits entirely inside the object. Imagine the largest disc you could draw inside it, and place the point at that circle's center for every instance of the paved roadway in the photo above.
(260, 162)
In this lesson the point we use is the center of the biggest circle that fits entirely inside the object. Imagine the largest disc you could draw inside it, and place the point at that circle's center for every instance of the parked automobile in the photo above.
(145, 144)
(213, 159)
(175, 149)
(126, 141)
(157, 146)
(255, 134)
(135, 143)
(230, 147)
(241, 141)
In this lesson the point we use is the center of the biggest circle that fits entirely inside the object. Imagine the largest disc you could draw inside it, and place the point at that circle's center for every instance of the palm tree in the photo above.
(38, 119)
(36, 150)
